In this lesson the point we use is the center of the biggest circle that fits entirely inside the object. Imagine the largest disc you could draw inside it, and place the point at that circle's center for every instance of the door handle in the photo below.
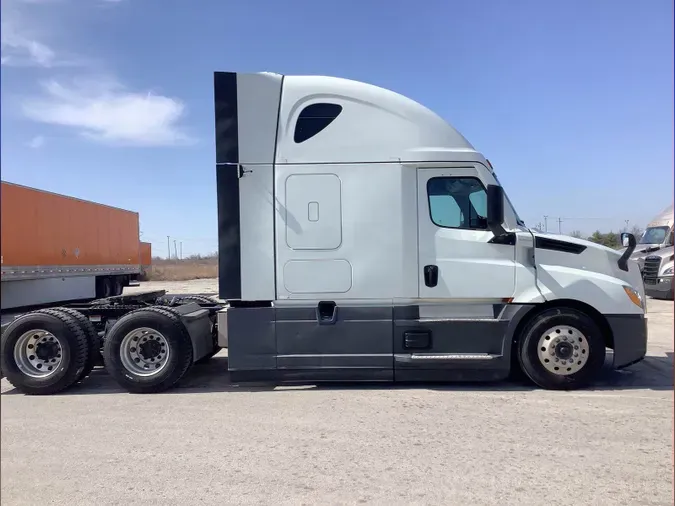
(326, 313)
(431, 275)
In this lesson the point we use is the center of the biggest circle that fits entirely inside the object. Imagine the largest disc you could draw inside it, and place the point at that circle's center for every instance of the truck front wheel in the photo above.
(561, 349)
(148, 350)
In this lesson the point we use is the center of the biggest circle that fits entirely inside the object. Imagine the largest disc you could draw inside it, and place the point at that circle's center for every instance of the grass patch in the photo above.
(195, 267)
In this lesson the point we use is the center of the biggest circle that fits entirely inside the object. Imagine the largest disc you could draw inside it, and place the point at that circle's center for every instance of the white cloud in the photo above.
(36, 142)
(105, 111)
(22, 39)
(99, 109)
(18, 49)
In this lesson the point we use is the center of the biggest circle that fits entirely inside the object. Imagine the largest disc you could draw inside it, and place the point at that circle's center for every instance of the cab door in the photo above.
(458, 256)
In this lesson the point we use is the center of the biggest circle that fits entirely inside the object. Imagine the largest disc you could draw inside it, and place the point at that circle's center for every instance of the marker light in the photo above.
(634, 296)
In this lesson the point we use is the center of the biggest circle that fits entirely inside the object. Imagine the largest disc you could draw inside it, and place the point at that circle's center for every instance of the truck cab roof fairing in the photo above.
(374, 125)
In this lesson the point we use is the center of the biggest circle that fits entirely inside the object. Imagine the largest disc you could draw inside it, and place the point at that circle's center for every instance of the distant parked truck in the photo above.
(654, 255)
(657, 235)
(57, 248)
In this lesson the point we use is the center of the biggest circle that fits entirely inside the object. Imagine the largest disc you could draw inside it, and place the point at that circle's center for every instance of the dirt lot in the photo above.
(209, 442)
(203, 286)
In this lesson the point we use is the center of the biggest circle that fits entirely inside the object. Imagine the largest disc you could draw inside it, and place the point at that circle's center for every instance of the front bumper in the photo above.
(630, 338)
(659, 288)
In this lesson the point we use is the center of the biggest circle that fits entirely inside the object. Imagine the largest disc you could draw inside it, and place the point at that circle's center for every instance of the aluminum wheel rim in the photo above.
(145, 352)
(38, 353)
(563, 350)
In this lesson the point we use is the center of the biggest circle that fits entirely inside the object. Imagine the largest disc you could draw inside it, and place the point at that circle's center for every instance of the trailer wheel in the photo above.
(117, 286)
(43, 352)
(93, 339)
(103, 288)
(148, 350)
(561, 349)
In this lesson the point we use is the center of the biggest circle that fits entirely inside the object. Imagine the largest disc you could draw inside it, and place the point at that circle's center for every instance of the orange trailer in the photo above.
(146, 258)
(57, 248)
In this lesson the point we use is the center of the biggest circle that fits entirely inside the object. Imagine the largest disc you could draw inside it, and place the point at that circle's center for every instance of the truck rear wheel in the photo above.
(93, 339)
(148, 350)
(43, 352)
(561, 349)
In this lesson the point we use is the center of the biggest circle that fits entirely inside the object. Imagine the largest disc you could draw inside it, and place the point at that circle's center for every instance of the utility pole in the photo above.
(626, 225)
(181, 250)
(559, 225)
(175, 251)
(168, 247)
(545, 223)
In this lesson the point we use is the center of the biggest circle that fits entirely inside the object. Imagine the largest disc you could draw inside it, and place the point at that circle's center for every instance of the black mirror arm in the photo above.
(623, 261)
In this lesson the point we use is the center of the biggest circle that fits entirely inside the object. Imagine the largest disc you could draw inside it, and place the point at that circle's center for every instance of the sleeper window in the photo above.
(313, 119)
(457, 202)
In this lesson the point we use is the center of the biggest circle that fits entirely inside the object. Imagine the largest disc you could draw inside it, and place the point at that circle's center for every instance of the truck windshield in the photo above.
(508, 200)
(654, 235)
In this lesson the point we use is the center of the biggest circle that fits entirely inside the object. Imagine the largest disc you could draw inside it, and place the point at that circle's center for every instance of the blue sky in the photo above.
(572, 101)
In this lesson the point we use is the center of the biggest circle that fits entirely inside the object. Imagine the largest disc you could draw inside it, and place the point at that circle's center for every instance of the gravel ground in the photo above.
(209, 442)
(205, 286)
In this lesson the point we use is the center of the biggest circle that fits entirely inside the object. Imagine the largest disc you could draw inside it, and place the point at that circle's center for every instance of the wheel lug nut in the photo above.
(576, 346)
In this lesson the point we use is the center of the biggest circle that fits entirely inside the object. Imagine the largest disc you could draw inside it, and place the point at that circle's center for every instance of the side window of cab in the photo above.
(457, 202)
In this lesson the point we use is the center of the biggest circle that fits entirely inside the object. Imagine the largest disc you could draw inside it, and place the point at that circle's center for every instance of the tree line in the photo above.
(609, 239)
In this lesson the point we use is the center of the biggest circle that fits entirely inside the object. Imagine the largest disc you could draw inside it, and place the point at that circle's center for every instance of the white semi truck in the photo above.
(361, 238)
(654, 255)
(657, 272)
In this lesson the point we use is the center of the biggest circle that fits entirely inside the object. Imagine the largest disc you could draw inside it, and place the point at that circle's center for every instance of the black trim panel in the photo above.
(227, 184)
(288, 345)
(630, 338)
(557, 245)
(227, 117)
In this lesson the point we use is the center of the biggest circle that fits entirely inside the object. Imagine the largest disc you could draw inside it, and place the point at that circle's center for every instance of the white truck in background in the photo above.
(654, 255)
(361, 238)
(657, 273)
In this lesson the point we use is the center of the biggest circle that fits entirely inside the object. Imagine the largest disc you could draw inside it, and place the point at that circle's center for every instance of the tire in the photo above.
(93, 339)
(104, 288)
(117, 286)
(199, 299)
(73, 352)
(174, 356)
(557, 334)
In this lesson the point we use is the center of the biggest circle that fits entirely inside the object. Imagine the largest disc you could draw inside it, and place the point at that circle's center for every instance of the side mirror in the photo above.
(626, 239)
(495, 209)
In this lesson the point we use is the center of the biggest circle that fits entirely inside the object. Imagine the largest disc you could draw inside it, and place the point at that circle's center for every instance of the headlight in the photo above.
(634, 296)
(667, 272)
